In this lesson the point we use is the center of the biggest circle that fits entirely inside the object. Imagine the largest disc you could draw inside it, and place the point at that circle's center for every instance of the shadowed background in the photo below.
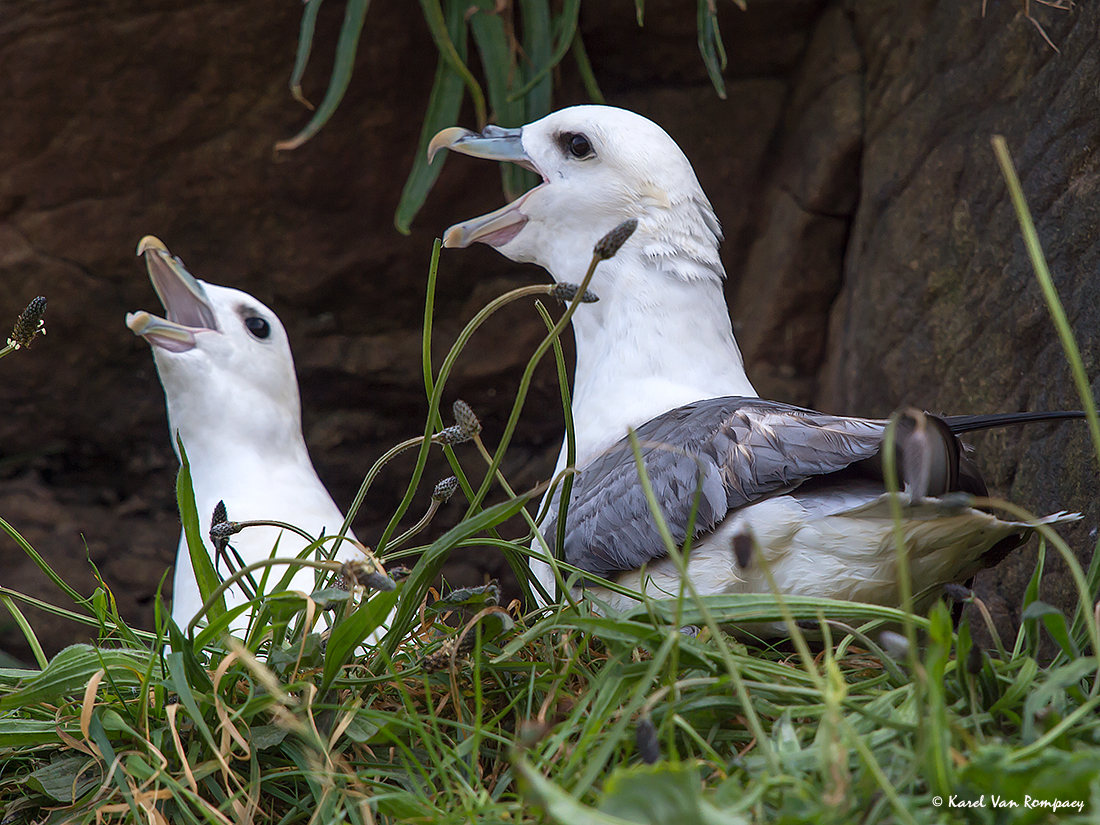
(873, 255)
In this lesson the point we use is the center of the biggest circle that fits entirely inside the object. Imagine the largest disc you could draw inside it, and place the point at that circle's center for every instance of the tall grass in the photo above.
(465, 710)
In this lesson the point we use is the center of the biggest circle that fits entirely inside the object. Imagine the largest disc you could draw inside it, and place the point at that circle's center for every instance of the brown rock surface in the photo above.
(863, 211)
(940, 307)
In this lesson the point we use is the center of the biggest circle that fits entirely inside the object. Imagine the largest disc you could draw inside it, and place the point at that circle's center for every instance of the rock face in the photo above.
(939, 306)
(874, 258)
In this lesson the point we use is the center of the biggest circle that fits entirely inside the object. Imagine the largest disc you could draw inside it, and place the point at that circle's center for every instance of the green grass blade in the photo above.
(346, 46)
(439, 26)
(570, 433)
(351, 632)
(26, 629)
(495, 50)
(429, 317)
(42, 565)
(540, 56)
(565, 28)
(584, 68)
(1050, 293)
(431, 562)
(205, 574)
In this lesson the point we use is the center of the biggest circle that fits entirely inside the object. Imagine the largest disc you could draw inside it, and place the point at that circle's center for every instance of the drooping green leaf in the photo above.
(495, 50)
(444, 103)
(710, 46)
(538, 49)
(565, 30)
(354, 14)
(305, 43)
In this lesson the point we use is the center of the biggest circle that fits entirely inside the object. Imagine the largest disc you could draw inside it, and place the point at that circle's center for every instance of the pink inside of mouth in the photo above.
(502, 236)
(170, 344)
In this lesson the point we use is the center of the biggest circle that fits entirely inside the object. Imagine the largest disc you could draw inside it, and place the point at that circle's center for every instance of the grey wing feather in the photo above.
(742, 449)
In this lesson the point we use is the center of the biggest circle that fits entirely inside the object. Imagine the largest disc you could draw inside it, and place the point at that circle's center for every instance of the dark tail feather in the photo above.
(968, 423)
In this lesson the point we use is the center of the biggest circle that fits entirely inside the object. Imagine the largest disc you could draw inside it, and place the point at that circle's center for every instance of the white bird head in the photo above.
(599, 166)
(660, 335)
(223, 357)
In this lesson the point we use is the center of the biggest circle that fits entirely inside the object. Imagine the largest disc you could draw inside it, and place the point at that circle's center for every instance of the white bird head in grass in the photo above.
(221, 355)
(232, 397)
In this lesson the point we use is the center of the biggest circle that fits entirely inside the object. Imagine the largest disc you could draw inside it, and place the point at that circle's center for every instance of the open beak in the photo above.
(188, 310)
(494, 143)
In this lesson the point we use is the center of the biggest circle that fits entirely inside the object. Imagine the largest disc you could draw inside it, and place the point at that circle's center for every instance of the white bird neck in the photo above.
(653, 342)
(264, 442)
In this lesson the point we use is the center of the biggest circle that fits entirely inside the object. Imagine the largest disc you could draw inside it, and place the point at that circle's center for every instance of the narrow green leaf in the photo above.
(42, 564)
(1050, 292)
(1054, 620)
(495, 50)
(351, 632)
(444, 104)
(565, 29)
(426, 570)
(1082, 616)
(1029, 631)
(346, 46)
(177, 677)
(71, 669)
(185, 648)
(439, 25)
(27, 630)
(538, 48)
(710, 45)
(1021, 685)
(98, 735)
(305, 43)
(23, 733)
(750, 608)
(203, 567)
(584, 66)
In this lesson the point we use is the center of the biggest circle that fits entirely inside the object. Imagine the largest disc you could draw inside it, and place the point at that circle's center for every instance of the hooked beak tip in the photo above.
(447, 138)
(454, 238)
(137, 321)
(151, 243)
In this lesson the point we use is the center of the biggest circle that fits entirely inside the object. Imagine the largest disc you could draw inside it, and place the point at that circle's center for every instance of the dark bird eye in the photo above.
(578, 145)
(258, 326)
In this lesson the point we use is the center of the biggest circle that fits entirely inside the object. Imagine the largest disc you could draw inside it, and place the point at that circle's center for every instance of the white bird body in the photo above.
(847, 551)
(660, 338)
(225, 364)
